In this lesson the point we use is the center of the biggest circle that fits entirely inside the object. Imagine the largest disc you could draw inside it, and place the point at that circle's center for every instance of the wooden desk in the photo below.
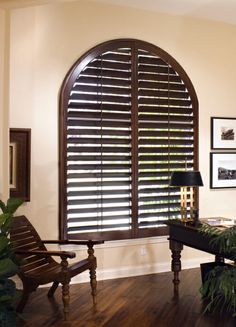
(180, 235)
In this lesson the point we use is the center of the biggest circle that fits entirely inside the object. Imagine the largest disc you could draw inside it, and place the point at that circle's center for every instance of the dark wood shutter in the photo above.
(128, 119)
(165, 138)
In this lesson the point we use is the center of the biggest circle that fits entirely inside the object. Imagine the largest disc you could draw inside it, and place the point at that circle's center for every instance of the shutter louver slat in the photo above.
(163, 94)
(97, 158)
(165, 149)
(98, 116)
(97, 184)
(90, 80)
(151, 60)
(170, 125)
(95, 106)
(165, 109)
(170, 141)
(170, 157)
(115, 124)
(157, 85)
(85, 131)
(158, 166)
(120, 57)
(162, 133)
(100, 98)
(86, 193)
(170, 118)
(96, 219)
(105, 89)
(85, 140)
(106, 73)
(98, 167)
(165, 101)
(90, 149)
(97, 209)
(114, 65)
(161, 78)
(156, 69)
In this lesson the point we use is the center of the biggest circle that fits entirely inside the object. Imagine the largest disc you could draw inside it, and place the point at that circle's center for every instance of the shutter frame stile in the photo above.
(134, 140)
(128, 117)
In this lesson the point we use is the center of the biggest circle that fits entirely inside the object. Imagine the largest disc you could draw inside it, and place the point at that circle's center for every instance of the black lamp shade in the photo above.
(186, 178)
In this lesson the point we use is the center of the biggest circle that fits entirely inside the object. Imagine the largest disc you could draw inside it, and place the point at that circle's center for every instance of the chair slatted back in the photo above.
(24, 237)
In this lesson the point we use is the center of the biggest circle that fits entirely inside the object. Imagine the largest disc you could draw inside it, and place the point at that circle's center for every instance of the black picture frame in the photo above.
(19, 163)
(223, 133)
(222, 170)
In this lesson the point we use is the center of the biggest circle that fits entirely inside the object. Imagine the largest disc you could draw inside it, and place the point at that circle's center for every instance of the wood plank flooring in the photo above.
(144, 301)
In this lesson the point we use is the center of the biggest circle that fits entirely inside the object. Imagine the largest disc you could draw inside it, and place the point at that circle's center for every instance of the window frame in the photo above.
(67, 85)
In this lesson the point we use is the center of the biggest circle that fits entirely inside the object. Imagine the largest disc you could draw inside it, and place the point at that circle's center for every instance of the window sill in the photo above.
(119, 243)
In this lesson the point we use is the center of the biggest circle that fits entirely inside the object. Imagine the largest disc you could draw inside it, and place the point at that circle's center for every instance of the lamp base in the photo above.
(184, 215)
(195, 217)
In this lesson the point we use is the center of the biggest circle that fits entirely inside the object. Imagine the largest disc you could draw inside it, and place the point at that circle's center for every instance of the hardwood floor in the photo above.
(144, 301)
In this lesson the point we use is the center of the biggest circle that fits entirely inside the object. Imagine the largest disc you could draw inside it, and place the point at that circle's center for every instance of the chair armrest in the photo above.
(82, 242)
(66, 254)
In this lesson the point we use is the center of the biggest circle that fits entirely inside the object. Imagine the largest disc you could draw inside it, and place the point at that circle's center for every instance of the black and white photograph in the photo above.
(223, 133)
(227, 133)
(223, 170)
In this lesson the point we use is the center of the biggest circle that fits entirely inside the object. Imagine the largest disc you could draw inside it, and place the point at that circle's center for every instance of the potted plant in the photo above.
(219, 286)
(8, 264)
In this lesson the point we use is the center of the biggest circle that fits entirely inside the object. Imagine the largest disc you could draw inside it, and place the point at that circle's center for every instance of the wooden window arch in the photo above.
(128, 118)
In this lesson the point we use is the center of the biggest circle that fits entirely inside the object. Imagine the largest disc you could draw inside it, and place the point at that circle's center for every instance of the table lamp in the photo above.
(186, 179)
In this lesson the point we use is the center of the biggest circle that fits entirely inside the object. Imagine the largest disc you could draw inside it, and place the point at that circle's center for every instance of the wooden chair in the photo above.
(40, 268)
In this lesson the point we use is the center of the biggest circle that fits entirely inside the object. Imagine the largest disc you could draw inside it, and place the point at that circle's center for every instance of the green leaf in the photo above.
(6, 226)
(219, 288)
(13, 204)
(5, 298)
(3, 218)
(7, 268)
(4, 242)
(7, 318)
(3, 206)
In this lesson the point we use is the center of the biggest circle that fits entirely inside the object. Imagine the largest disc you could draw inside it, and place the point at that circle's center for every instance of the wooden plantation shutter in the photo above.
(128, 118)
(165, 137)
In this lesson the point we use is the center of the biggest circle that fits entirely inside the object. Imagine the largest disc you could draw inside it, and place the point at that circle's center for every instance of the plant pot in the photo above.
(208, 266)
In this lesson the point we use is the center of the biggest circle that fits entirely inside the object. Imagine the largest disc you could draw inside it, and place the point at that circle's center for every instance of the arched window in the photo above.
(128, 118)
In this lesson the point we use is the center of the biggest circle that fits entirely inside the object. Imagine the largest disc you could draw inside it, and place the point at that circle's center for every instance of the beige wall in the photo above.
(4, 104)
(45, 42)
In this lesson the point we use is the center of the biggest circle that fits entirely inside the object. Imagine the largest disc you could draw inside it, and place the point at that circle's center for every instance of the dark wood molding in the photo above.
(20, 163)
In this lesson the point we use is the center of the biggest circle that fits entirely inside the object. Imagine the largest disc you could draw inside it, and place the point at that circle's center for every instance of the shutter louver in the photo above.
(129, 118)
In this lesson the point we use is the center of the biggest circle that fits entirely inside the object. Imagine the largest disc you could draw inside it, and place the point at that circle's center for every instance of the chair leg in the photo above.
(22, 303)
(93, 283)
(66, 299)
(53, 289)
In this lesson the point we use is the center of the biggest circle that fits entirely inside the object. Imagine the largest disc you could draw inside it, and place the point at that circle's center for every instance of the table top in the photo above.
(189, 235)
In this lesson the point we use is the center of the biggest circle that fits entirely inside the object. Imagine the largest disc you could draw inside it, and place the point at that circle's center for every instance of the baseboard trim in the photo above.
(131, 271)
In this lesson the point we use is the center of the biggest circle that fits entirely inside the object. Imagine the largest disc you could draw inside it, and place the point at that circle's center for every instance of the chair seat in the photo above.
(51, 272)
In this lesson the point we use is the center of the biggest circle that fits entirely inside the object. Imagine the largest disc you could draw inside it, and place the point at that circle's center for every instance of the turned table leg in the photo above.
(176, 249)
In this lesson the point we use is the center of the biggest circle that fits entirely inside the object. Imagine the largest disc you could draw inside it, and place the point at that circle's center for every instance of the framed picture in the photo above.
(223, 133)
(222, 170)
(19, 163)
